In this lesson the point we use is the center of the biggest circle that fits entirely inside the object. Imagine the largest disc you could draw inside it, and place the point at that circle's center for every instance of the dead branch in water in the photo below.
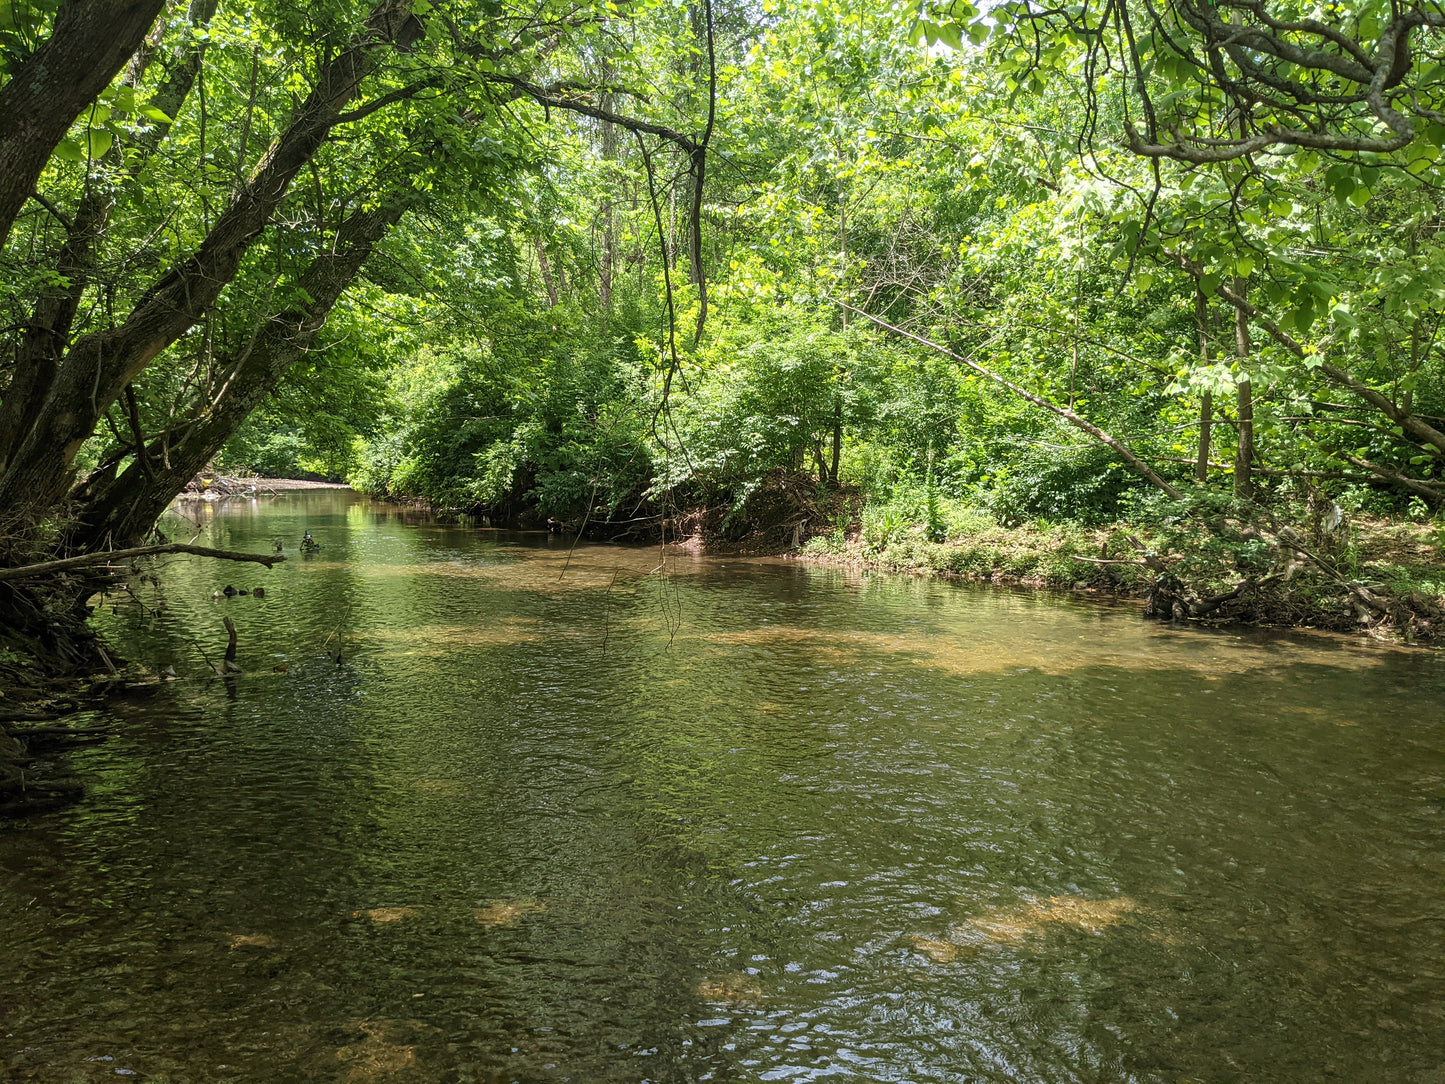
(85, 560)
(229, 665)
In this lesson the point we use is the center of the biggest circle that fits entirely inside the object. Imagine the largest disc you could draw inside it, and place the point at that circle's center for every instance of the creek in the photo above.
(596, 816)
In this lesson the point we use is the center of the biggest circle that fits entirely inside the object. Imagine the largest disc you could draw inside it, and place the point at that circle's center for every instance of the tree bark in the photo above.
(1414, 424)
(608, 258)
(548, 281)
(837, 440)
(89, 43)
(89, 560)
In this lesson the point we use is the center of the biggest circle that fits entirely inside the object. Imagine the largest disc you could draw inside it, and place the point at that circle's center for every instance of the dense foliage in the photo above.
(601, 263)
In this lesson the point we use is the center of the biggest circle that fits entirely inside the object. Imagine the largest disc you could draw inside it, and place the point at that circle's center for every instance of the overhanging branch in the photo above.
(87, 560)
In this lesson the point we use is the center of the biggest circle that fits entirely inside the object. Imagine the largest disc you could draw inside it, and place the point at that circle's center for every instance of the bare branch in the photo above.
(87, 560)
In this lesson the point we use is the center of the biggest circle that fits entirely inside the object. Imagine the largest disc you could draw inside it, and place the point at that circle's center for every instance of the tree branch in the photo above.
(85, 560)
(1142, 468)
(548, 97)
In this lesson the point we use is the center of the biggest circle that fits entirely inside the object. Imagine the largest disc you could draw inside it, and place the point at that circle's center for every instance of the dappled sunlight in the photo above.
(781, 821)
(1026, 921)
(387, 915)
(733, 988)
(507, 912)
(431, 639)
(542, 571)
(383, 1052)
(996, 650)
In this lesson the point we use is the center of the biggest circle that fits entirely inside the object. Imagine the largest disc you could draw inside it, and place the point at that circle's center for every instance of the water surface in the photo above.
(479, 809)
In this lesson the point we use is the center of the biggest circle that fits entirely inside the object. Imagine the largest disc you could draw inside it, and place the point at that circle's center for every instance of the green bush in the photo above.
(1084, 484)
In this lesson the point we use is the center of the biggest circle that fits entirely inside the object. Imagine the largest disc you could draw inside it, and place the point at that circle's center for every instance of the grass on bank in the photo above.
(1313, 578)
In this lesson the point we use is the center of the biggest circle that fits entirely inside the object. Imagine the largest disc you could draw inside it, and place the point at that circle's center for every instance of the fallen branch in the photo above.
(1205, 606)
(85, 560)
(1413, 485)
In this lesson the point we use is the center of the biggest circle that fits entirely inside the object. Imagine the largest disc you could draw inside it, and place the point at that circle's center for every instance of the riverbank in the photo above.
(1381, 578)
(1304, 565)
(209, 485)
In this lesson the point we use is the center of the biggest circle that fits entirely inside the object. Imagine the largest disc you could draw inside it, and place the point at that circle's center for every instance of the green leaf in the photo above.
(69, 151)
(150, 112)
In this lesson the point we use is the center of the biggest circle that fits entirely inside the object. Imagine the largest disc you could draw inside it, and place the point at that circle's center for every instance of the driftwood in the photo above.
(86, 560)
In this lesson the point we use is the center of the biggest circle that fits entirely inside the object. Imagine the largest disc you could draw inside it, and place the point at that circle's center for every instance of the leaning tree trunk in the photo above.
(101, 364)
(89, 43)
(119, 510)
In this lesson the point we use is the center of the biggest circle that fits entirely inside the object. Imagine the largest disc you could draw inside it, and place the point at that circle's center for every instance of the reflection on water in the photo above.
(479, 809)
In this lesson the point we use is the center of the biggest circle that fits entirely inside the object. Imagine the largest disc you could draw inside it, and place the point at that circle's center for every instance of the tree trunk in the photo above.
(1244, 452)
(547, 280)
(90, 42)
(120, 510)
(100, 364)
(837, 439)
(1206, 400)
(1143, 469)
(608, 257)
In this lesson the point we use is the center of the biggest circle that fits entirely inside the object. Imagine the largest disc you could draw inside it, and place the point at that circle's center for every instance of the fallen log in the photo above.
(86, 560)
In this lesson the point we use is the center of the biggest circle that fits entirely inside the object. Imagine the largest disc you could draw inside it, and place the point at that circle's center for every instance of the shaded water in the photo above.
(750, 820)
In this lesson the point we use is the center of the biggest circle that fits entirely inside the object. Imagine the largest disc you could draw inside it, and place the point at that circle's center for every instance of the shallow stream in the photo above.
(579, 817)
